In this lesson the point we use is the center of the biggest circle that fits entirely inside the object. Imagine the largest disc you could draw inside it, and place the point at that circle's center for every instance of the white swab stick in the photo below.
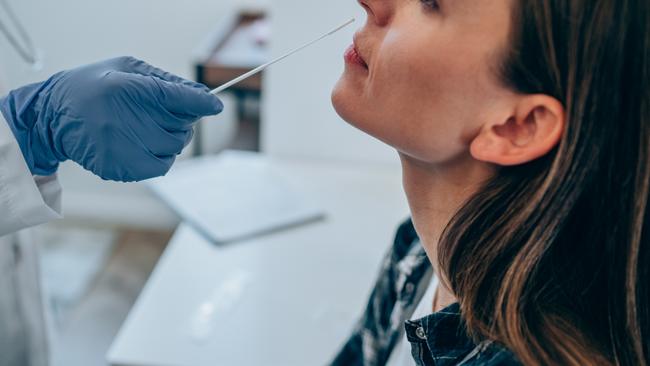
(262, 67)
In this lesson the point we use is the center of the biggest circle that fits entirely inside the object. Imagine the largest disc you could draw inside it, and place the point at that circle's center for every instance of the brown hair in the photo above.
(552, 258)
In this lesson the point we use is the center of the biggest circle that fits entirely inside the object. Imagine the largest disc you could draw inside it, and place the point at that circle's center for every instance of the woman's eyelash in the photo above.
(433, 4)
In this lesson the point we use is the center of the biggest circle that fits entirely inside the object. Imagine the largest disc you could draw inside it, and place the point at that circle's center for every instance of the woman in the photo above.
(523, 128)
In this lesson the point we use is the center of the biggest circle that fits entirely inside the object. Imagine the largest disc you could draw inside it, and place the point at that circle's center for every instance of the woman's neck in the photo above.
(435, 192)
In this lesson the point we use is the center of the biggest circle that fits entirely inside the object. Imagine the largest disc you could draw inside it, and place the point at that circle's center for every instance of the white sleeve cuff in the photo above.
(25, 200)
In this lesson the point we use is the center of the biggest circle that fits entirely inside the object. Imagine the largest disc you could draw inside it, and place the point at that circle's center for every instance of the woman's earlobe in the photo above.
(533, 130)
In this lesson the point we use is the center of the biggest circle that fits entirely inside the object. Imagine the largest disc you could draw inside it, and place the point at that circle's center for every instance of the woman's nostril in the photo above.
(365, 5)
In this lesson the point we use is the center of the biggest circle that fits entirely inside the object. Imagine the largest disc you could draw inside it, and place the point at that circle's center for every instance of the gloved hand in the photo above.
(121, 119)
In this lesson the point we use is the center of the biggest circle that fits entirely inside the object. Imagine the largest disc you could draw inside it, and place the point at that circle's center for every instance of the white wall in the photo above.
(74, 32)
(298, 117)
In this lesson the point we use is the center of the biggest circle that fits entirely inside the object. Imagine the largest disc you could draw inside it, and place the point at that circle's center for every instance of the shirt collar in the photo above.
(445, 332)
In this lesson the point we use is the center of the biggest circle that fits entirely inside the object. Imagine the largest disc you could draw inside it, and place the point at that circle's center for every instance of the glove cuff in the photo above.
(23, 119)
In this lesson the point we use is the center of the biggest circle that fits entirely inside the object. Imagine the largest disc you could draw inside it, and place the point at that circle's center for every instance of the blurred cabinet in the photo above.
(236, 46)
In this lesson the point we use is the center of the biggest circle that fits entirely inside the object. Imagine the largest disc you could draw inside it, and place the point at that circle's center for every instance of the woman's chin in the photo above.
(349, 104)
(343, 101)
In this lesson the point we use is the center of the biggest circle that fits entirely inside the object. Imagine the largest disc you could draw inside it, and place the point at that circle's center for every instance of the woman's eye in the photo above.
(432, 4)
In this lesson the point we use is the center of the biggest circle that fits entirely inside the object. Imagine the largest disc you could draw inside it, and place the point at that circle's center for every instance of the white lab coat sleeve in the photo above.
(25, 200)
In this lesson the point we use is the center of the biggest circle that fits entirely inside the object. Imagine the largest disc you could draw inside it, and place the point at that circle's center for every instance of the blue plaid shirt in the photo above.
(439, 339)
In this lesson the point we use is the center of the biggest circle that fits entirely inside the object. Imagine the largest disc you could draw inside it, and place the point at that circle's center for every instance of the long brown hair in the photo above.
(552, 258)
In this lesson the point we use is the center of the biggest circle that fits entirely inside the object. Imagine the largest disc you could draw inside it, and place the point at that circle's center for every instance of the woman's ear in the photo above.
(534, 128)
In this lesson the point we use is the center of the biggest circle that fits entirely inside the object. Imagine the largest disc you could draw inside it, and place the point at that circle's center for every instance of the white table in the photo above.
(288, 298)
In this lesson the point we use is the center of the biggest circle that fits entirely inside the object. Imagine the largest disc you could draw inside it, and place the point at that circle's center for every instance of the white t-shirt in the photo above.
(401, 355)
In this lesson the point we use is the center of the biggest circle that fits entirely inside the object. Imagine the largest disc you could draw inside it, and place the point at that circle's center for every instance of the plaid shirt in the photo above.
(438, 339)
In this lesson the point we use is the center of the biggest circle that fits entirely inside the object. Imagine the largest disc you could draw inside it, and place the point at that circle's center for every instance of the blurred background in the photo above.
(96, 261)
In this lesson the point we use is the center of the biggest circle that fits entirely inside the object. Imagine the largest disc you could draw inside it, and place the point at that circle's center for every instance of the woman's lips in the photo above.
(352, 57)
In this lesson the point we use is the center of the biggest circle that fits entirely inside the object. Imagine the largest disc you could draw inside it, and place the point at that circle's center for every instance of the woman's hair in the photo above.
(552, 258)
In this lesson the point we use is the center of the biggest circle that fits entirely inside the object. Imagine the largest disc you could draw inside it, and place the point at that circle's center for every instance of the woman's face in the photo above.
(422, 74)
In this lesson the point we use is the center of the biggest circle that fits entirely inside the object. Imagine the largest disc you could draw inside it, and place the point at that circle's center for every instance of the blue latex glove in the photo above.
(121, 119)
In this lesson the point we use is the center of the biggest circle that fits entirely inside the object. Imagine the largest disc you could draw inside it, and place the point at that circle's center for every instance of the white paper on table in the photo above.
(235, 195)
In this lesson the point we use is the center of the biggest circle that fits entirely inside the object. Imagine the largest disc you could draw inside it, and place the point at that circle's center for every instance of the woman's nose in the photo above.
(379, 11)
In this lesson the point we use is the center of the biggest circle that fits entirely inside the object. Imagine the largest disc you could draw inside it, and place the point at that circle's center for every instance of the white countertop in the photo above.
(287, 298)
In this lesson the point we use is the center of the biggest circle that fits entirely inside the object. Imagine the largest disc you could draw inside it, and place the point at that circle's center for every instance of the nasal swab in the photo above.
(262, 67)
